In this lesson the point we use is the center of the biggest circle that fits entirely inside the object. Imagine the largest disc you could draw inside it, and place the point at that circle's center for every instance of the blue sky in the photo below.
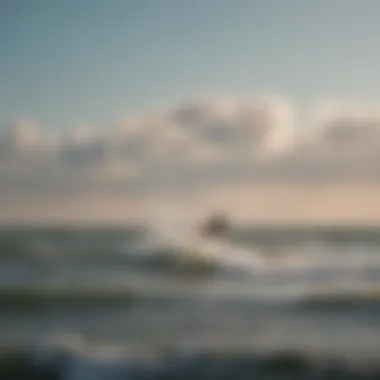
(67, 62)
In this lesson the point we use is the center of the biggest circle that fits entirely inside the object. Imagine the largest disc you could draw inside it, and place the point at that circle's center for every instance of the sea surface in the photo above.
(118, 303)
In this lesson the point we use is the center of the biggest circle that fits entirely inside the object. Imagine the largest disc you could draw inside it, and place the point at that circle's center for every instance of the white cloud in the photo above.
(344, 142)
(248, 127)
(209, 141)
(22, 140)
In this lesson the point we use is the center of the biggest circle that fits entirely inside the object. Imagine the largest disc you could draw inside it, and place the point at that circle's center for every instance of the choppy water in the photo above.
(111, 291)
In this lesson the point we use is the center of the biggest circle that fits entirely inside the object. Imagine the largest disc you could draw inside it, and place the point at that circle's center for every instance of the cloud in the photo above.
(351, 129)
(249, 127)
(343, 143)
(210, 141)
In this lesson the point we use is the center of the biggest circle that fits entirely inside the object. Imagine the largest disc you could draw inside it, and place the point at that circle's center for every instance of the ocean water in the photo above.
(122, 304)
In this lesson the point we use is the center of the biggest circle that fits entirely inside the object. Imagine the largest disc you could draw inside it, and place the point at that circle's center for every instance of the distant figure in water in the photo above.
(215, 226)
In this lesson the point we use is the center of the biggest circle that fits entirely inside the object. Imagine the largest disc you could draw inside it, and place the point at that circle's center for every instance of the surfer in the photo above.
(215, 226)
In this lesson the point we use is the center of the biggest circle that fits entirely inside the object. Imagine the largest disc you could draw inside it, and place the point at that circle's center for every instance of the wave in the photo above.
(61, 364)
(42, 296)
(211, 258)
(34, 297)
(335, 299)
(193, 255)
(176, 251)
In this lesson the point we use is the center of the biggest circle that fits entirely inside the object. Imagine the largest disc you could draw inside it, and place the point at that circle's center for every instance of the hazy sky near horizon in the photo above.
(105, 101)
(70, 62)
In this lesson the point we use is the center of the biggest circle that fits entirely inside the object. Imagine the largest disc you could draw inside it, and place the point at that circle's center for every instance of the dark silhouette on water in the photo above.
(217, 225)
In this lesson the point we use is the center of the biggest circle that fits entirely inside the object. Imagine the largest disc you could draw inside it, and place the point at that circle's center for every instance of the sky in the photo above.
(102, 100)
(93, 61)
